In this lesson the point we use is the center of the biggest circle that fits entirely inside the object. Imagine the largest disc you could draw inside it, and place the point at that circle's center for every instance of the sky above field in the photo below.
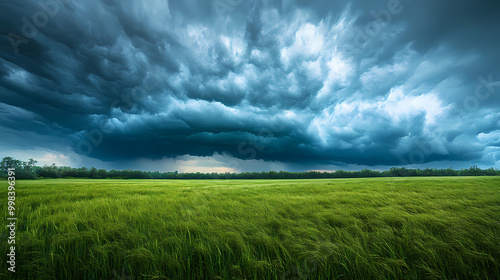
(241, 85)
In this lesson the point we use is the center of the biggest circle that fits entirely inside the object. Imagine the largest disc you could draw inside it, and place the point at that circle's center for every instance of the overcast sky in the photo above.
(244, 85)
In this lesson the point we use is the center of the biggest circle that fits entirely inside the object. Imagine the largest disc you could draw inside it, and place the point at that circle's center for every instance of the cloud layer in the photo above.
(324, 83)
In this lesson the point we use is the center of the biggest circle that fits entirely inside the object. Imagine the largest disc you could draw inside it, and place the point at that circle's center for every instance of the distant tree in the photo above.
(93, 173)
(102, 174)
(24, 170)
(10, 162)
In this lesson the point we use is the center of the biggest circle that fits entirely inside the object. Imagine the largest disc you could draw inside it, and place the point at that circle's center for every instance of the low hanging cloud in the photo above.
(357, 83)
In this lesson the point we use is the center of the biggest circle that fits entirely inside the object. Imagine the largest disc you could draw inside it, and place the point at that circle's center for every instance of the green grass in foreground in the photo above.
(380, 228)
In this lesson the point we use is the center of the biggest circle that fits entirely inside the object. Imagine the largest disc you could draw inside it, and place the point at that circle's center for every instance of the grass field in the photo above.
(380, 228)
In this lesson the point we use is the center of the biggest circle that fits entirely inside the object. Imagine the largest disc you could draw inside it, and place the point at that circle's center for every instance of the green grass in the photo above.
(380, 228)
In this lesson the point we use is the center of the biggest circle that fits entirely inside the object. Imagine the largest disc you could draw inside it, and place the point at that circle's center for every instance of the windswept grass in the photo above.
(381, 228)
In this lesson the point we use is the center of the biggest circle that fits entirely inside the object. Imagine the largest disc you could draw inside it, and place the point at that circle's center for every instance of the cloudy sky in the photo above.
(250, 85)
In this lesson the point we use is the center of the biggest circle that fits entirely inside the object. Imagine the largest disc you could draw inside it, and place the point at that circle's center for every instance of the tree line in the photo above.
(29, 170)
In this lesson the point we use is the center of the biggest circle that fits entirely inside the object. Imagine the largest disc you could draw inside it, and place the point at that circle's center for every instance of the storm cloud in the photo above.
(366, 83)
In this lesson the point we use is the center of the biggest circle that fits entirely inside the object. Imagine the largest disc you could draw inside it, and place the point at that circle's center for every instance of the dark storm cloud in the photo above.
(329, 82)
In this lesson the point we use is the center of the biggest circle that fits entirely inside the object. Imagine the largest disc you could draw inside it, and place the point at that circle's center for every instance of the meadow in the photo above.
(377, 228)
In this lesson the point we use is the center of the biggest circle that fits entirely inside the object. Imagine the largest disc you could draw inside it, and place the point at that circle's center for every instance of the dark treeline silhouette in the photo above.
(29, 170)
